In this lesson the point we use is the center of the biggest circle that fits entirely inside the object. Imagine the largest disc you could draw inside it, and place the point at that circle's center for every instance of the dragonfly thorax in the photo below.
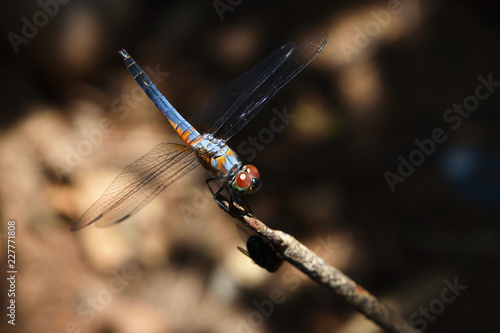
(222, 162)
(216, 156)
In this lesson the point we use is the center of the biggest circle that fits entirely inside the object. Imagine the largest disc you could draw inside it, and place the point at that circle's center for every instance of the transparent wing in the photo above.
(232, 94)
(251, 91)
(139, 183)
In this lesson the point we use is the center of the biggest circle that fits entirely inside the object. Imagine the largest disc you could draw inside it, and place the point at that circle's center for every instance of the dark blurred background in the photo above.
(381, 171)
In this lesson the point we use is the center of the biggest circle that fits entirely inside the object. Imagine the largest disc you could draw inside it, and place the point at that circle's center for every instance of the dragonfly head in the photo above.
(247, 180)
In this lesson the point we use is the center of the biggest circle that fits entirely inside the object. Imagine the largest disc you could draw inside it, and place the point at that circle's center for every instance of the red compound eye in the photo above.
(252, 171)
(244, 180)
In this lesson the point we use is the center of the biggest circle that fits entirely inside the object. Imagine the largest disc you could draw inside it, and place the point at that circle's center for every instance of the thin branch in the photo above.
(322, 273)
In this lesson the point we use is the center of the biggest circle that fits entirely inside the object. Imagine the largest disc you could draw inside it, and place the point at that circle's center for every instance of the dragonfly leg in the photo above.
(216, 194)
(208, 181)
(233, 197)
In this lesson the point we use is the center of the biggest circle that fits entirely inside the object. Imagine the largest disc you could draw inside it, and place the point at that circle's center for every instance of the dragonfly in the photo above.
(222, 115)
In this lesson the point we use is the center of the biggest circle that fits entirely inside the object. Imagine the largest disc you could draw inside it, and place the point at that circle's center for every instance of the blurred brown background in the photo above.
(386, 78)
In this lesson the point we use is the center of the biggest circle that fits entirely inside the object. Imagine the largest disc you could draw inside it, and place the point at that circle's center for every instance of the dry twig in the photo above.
(322, 273)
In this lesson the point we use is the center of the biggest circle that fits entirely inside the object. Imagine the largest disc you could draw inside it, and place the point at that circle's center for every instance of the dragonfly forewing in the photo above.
(214, 109)
(266, 83)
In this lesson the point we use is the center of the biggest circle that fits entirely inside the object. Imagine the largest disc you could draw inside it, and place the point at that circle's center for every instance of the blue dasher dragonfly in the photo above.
(222, 115)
